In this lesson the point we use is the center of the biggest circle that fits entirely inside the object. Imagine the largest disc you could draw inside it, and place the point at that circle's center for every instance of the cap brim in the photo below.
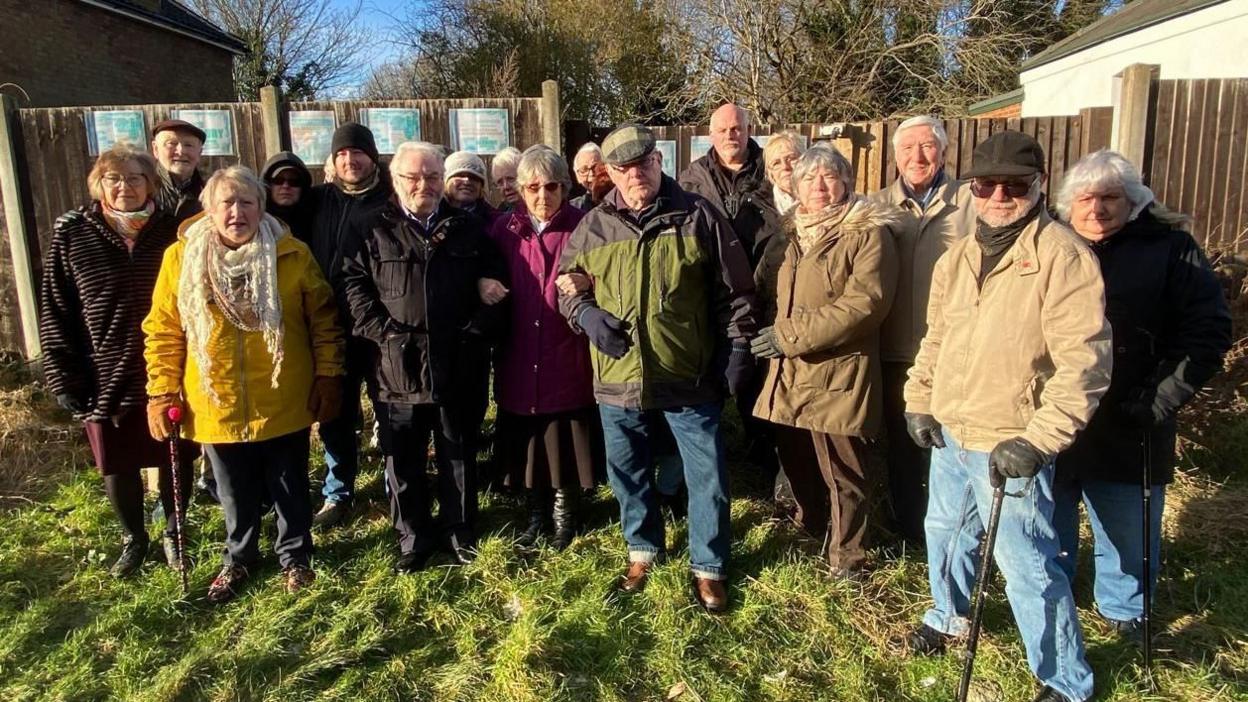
(1001, 169)
(464, 172)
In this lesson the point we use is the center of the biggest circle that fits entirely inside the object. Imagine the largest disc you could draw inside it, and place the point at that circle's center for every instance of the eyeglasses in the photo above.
(114, 180)
(414, 178)
(289, 182)
(985, 187)
(586, 170)
(551, 188)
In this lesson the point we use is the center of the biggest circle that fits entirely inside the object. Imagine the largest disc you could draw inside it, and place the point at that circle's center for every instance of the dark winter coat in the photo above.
(415, 298)
(744, 197)
(335, 215)
(93, 298)
(299, 215)
(180, 201)
(1171, 328)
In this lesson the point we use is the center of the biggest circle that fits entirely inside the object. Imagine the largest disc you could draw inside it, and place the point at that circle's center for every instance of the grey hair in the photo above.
(543, 163)
(239, 177)
(938, 130)
(589, 147)
(507, 158)
(1103, 169)
(423, 148)
(789, 137)
(824, 155)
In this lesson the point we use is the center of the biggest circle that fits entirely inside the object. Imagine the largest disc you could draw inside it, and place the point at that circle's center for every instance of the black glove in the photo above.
(764, 345)
(605, 331)
(924, 430)
(1143, 410)
(740, 369)
(73, 403)
(1015, 458)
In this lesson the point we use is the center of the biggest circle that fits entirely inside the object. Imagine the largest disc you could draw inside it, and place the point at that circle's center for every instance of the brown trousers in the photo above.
(832, 489)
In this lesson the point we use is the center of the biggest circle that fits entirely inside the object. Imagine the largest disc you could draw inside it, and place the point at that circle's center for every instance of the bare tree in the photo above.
(306, 47)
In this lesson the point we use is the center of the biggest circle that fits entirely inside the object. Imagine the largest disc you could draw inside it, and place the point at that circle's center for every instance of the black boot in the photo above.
(535, 501)
(133, 551)
(564, 518)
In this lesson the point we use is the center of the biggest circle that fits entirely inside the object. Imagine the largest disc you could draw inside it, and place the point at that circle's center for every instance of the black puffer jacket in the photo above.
(415, 298)
(299, 215)
(744, 197)
(1171, 329)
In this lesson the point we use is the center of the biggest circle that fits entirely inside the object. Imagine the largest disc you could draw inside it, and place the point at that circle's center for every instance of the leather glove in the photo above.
(73, 403)
(764, 345)
(1015, 458)
(740, 369)
(325, 400)
(158, 423)
(924, 430)
(605, 331)
(1142, 409)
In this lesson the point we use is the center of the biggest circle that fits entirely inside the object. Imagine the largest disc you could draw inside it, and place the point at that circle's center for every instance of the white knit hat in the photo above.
(465, 163)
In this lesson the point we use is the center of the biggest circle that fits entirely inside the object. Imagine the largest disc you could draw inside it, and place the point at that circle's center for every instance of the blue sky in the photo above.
(376, 14)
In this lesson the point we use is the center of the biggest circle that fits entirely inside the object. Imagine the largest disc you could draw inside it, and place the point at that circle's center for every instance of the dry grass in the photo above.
(40, 445)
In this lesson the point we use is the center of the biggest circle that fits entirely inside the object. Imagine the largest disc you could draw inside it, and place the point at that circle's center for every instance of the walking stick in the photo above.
(981, 582)
(1147, 491)
(175, 468)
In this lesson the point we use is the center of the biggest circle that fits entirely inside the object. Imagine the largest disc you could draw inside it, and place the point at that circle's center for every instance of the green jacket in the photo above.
(676, 275)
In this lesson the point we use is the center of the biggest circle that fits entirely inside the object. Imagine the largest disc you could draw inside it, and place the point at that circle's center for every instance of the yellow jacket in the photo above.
(1028, 356)
(250, 408)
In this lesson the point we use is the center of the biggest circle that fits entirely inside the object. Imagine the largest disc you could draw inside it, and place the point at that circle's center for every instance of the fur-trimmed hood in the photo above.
(863, 214)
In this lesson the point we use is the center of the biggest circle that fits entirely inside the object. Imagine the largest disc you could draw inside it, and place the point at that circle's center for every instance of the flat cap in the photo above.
(627, 143)
(1007, 153)
(179, 125)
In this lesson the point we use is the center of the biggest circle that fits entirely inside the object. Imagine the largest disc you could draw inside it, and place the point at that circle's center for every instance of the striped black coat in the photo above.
(94, 296)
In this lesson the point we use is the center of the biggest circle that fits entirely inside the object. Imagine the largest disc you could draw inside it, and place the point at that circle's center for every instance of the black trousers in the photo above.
(243, 473)
(907, 463)
(405, 431)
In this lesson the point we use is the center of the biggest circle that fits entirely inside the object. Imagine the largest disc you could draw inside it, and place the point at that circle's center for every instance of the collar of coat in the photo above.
(392, 215)
(94, 215)
(1023, 254)
(671, 202)
(946, 194)
(565, 219)
(863, 214)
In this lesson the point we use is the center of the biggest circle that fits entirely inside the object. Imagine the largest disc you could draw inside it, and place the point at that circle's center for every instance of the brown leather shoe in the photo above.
(635, 579)
(298, 577)
(711, 594)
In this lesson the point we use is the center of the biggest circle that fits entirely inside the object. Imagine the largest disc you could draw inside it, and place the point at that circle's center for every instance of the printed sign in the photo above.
(107, 128)
(391, 126)
(218, 129)
(481, 131)
(699, 146)
(311, 134)
(667, 147)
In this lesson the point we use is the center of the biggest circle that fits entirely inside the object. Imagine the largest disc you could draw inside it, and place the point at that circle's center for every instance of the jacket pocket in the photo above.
(399, 368)
(837, 374)
(394, 273)
(1029, 399)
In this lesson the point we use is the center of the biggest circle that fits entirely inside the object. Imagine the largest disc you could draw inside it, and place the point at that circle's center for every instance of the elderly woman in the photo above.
(503, 175)
(243, 336)
(833, 289)
(1171, 329)
(97, 287)
(548, 436)
(779, 155)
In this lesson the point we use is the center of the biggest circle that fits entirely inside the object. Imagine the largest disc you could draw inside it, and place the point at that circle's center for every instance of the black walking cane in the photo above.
(175, 468)
(1146, 444)
(981, 581)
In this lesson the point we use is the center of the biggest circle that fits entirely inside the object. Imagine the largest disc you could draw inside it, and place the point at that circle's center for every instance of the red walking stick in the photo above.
(175, 469)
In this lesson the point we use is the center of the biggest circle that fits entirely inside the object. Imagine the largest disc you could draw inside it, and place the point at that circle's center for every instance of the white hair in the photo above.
(238, 176)
(824, 155)
(589, 147)
(423, 148)
(787, 137)
(1103, 169)
(543, 163)
(938, 130)
(507, 158)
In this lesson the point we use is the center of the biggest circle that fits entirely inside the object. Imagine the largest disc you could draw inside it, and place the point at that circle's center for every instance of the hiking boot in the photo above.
(133, 551)
(926, 641)
(298, 577)
(225, 586)
(1048, 694)
(712, 595)
(331, 515)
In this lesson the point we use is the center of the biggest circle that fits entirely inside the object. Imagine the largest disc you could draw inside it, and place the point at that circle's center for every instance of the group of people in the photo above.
(982, 339)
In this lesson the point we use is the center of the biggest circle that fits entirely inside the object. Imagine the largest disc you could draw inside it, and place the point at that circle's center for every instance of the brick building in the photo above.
(113, 52)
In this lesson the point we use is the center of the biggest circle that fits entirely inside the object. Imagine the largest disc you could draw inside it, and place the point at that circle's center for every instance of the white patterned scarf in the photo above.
(243, 284)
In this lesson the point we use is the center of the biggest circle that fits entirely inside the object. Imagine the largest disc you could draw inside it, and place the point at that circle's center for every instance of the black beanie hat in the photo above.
(354, 135)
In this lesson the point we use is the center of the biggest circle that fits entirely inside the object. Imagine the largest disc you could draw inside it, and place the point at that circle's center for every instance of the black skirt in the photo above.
(127, 446)
(557, 451)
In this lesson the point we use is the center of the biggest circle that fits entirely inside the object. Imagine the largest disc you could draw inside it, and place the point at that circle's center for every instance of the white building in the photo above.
(1188, 39)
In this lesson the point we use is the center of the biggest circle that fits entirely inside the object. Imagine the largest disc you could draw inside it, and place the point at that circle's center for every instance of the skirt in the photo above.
(127, 446)
(560, 450)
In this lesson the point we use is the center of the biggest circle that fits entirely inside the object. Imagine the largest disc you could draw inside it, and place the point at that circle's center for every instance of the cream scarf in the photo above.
(242, 283)
(814, 226)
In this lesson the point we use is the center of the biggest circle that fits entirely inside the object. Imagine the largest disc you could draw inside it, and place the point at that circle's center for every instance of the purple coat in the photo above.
(543, 367)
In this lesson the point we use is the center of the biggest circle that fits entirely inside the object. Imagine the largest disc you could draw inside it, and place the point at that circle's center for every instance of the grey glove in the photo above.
(924, 430)
(764, 345)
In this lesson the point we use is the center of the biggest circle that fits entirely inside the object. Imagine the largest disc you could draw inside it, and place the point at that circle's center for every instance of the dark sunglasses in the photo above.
(981, 187)
(292, 182)
(548, 187)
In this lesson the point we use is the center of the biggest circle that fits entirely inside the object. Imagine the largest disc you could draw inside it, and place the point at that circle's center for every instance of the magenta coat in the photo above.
(543, 367)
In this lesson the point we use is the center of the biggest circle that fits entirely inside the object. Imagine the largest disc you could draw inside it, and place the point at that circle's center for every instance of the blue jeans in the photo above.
(1027, 549)
(1115, 511)
(342, 446)
(630, 472)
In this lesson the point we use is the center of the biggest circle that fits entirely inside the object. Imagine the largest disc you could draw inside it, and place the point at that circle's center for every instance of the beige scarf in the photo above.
(812, 227)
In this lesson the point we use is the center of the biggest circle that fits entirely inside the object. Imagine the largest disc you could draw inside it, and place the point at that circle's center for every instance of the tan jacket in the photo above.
(927, 234)
(830, 302)
(1030, 355)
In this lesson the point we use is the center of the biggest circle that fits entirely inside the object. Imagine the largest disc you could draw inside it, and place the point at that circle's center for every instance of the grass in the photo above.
(550, 627)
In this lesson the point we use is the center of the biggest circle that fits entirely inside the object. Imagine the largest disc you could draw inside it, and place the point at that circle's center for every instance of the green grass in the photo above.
(550, 627)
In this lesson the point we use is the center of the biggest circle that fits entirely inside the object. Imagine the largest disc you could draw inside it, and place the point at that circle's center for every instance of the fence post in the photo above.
(1133, 123)
(19, 221)
(273, 117)
(552, 116)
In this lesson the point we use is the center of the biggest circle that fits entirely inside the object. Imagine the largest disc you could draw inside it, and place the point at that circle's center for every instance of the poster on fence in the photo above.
(667, 147)
(107, 128)
(699, 146)
(311, 134)
(481, 131)
(391, 126)
(218, 127)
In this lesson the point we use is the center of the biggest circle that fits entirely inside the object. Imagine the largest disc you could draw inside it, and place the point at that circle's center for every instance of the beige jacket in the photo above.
(830, 302)
(1028, 356)
(927, 234)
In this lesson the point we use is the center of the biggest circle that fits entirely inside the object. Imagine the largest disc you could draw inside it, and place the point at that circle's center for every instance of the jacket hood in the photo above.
(286, 159)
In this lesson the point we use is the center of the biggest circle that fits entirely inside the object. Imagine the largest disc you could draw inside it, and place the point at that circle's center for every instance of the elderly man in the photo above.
(337, 209)
(503, 176)
(1016, 357)
(669, 319)
(411, 286)
(940, 212)
(177, 146)
(591, 174)
(465, 185)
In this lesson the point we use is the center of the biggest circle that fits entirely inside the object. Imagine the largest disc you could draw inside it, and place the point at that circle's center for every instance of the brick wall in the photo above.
(65, 52)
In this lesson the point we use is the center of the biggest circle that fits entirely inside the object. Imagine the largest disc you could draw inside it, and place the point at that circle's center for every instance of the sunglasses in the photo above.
(548, 187)
(984, 187)
(290, 182)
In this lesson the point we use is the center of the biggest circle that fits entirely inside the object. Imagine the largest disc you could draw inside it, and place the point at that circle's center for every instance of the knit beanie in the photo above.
(465, 163)
(354, 135)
